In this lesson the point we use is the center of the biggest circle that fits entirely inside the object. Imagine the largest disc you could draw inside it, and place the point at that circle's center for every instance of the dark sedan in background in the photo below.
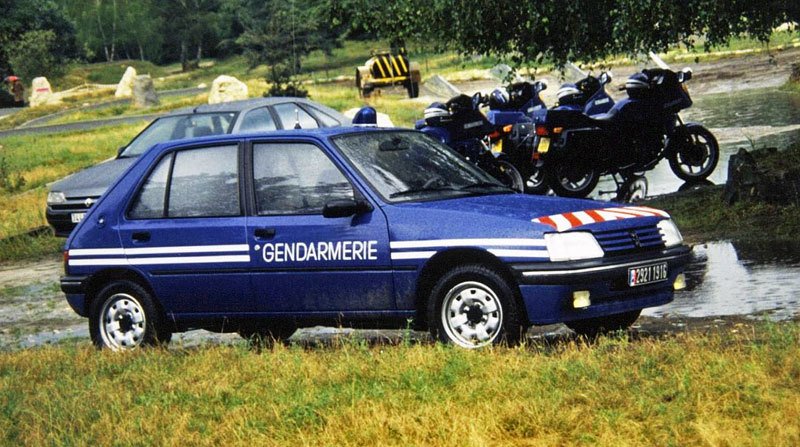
(70, 197)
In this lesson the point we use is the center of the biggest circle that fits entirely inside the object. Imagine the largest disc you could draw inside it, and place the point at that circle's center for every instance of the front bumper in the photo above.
(74, 287)
(61, 220)
(547, 288)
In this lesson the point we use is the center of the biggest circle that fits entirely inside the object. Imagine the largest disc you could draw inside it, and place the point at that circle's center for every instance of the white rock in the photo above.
(125, 86)
(227, 88)
(42, 93)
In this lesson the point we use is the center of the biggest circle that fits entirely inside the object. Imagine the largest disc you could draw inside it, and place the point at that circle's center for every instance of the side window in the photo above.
(296, 179)
(290, 114)
(205, 183)
(325, 119)
(257, 120)
(150, 202)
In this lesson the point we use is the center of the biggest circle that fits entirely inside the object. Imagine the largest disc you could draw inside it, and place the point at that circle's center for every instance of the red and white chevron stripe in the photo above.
(566, 221)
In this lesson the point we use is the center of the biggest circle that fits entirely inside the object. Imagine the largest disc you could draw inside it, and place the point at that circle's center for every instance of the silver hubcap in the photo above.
(122, 322)
(472, 315)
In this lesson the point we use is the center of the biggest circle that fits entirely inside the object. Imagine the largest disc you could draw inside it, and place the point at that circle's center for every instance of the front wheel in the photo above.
(124, 316)
(413, 89)
(592, 327)
(695, 154)
(472, 306)
(575, 180)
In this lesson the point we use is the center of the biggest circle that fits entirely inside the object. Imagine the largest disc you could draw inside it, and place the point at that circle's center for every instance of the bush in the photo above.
(35, 55)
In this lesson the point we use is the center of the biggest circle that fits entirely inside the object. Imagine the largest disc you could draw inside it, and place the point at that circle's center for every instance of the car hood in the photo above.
(504, 216)
(93, 181)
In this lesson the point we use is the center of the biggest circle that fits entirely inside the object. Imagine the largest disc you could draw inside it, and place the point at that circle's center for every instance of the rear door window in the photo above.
(257, 120)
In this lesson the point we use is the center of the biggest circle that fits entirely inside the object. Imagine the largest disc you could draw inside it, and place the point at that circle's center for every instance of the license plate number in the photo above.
(544, 145)
(647, 274)
(77, 217)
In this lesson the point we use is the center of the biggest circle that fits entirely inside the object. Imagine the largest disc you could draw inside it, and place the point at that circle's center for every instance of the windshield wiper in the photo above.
(483, 185)
(422, 190)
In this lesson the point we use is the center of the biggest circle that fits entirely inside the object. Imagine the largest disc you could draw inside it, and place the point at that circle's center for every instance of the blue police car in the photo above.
(264, 233)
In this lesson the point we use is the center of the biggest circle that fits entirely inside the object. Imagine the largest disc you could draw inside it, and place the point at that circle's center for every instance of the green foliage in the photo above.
(35, 55)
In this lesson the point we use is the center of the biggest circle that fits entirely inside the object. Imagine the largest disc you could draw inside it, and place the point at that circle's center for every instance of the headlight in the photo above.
(670, 233)
(572, 246)
(55, 197)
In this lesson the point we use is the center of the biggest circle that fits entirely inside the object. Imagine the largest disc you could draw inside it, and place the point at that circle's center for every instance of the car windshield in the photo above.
(407, 166)
(178, 127)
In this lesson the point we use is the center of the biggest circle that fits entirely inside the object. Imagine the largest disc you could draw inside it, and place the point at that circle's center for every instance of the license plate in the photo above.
(647, 274)
(77, 217)
(544, 145)
(498, 147)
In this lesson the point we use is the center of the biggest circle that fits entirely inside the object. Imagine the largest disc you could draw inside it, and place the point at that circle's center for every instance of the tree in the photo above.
(18, 17)
(35, 55)
(280, 33)
(531, 30)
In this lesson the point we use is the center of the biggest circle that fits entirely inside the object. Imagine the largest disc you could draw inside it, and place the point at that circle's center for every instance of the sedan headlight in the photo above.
(670, 233)
(572, 246)
(55, 198)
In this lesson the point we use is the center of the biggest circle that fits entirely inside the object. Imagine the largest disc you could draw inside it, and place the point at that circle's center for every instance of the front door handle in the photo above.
(141, 236)
(265, 233)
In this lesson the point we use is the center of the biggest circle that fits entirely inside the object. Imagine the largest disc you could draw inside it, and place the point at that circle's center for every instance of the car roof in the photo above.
(292, 134)
(248, 104)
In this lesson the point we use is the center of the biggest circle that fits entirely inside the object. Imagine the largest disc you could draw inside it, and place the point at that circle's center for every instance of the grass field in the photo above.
(738, 388)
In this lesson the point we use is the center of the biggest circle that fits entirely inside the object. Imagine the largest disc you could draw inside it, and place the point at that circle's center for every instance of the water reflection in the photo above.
(724, 279)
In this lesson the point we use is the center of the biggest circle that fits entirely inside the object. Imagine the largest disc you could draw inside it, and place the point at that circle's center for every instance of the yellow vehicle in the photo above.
(385, 69)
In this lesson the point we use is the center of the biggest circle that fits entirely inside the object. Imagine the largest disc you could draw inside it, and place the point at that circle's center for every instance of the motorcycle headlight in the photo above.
(55, 198)
(572, 246)
(670, 233)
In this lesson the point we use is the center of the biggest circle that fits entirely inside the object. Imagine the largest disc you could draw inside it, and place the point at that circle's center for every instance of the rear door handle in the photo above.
(265, 233)
(141, 236)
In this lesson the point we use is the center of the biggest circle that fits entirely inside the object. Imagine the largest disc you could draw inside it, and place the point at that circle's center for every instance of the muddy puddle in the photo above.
(736, 279)
(750, 118)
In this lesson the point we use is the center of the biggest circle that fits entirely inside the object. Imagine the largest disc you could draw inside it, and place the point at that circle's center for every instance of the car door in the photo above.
(185, 230)
(304, 262)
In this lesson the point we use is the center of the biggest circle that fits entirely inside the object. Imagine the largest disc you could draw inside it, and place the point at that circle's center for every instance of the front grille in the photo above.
(77, 204)
(619, 242)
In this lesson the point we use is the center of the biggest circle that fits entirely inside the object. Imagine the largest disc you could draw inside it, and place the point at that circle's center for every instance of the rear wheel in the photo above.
(509, 175)
(572, 180)
(536, 183)
(124, 316)
(696, 154)
(472, 306)
(592, 327)
(412, 88)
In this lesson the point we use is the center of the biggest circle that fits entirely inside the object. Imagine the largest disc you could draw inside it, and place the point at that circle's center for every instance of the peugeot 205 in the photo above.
(261, 234)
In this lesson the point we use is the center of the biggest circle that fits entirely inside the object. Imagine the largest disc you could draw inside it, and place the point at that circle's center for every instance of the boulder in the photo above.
(749, 179)
(441, 88)
(125, 86)
(42, 93)
(227, 88)
(144, 92)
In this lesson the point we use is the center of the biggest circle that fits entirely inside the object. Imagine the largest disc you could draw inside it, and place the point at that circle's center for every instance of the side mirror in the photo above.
(345, 208)
(121, 150)
(686, 74)
(606, 78)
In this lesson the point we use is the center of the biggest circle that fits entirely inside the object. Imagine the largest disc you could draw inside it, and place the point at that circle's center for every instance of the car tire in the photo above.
(124, 316)
(592, 327)
(264, 336)
(413, 89)
(472, 306)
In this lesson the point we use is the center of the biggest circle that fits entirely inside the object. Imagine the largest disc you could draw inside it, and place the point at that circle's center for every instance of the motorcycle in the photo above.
(521, 105)
(460, 124)
(633, 137)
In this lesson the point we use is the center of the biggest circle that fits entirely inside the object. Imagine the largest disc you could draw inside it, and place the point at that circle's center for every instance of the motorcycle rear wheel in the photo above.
(536, 182)
(696, 155)
(510, 176)
(572, 180)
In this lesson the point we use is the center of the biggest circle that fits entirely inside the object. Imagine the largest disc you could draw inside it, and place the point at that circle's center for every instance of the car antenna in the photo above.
(297, 119)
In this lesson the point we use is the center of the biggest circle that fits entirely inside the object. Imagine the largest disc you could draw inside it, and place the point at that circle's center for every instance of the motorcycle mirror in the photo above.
(542, 84)
(687, 73)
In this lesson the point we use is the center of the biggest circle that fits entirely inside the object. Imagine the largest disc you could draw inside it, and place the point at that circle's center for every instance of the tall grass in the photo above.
(733, 389)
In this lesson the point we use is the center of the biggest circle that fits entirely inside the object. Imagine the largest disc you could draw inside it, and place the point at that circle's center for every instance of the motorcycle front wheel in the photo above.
(696, 154)
(572, 180)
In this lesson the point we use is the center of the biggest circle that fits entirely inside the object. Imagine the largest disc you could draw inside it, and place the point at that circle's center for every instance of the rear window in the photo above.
(178, 127)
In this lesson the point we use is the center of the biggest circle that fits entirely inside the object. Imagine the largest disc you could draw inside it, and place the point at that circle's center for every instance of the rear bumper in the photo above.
(547, 288)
